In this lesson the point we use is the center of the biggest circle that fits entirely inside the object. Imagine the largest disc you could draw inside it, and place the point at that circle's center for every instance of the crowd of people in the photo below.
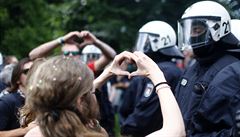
(160, 89)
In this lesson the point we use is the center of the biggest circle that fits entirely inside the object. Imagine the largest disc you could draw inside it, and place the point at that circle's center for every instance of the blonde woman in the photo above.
(60, 92)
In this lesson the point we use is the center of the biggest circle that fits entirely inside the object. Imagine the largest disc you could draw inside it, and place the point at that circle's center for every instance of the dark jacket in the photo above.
(207, 96)
(9, 108)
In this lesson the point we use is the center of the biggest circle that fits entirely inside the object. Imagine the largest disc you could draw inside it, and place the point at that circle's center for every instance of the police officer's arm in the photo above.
(44, 49)
(107, 51)
(172, 119)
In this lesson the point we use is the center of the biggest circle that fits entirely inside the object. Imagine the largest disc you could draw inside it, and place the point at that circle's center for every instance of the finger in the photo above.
(74, 33)
(131, 57)
(120, 72)
(84, 33)
(135, 73)
(134, 57)
(83, 44)
(123, 73)
(139, 54)
(121, 57)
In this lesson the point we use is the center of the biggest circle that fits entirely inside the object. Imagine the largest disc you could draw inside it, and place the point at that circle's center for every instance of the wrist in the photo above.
(61, 41)
(157, 78)
(100, 80)
(161, 86)
(96, 42)
(108, 73)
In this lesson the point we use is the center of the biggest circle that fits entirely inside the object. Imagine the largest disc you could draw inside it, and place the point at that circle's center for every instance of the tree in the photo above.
(25, 24)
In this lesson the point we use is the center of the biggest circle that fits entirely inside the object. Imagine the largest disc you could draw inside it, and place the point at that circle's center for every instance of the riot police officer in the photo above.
(140, 111)
(90, 53)
(206, 95)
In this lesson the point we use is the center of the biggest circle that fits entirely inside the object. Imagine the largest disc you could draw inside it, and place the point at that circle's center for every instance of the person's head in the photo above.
(91, 53)
(6, 74)
(11, 59)
(71, 50)
(60, 92)
(19, 74)
(204, 26)
(158, 37)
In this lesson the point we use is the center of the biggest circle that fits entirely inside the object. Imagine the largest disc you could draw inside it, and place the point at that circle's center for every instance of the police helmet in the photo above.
(235, 26)
(204, 23)
(157, 36)
(91, 53)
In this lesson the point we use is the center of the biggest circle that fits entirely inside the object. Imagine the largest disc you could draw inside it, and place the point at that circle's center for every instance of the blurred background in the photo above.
(25, 24)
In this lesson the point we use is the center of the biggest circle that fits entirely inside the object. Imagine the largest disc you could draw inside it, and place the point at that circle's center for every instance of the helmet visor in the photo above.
(195, 32)
(147, 42)
(192, 32)
(89, 57)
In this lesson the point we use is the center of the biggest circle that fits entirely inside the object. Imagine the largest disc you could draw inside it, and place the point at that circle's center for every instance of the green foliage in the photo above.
(117, 21)
(26, 24)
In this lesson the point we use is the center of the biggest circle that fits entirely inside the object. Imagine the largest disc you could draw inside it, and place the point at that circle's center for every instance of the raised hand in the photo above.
(120, 62)
(147, 67)
(69, 38)
(88, 38)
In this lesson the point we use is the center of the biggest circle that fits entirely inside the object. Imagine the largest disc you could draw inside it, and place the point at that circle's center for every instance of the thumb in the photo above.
(123, 73)
(82, 45)
(135, 73)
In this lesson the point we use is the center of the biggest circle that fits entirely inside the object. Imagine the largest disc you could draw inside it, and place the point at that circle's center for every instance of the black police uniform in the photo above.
(207, 96)
(145, 116)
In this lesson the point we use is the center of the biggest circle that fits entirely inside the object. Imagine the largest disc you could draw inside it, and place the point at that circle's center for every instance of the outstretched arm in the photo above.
(116, 68)
(107, 51)
(44, 49)
(173, 125)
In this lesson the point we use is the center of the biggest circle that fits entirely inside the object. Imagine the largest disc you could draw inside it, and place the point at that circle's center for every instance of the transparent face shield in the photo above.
(196, 32)
(90, 57)
(147, 42)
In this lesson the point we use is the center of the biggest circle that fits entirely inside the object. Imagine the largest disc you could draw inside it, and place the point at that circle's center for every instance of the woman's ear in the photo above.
(79, 103)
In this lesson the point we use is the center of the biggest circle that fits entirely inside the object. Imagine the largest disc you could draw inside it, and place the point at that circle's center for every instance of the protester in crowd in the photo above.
(10, 59)
(141, 108)
(205, 94)
(62, 97)
(73, 114)
(5, 78)
(12, 102)
(72, 43)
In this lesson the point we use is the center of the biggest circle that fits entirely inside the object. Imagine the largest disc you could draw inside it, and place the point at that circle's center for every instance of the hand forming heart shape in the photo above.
(145, 65)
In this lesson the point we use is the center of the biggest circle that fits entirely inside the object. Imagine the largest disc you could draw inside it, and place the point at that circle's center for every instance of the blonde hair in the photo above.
(28, 115)
(53, 91)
